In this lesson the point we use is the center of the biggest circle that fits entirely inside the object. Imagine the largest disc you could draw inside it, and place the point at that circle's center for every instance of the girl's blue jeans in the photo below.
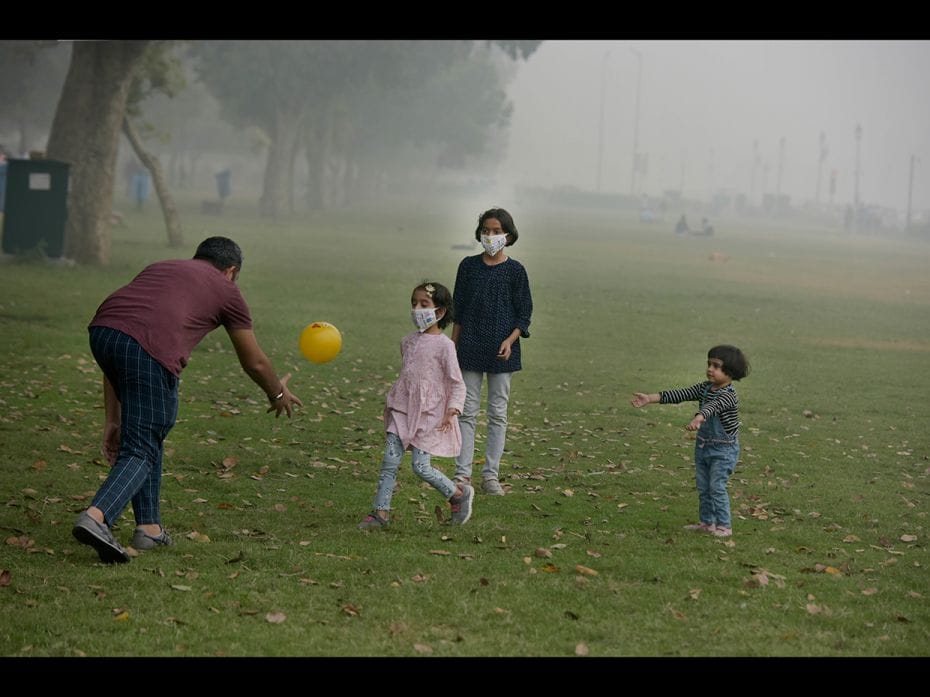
(714, 460)
(498, 399)
(393, 453)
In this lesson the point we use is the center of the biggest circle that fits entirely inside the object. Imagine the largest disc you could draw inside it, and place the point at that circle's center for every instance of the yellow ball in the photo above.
(320, 342)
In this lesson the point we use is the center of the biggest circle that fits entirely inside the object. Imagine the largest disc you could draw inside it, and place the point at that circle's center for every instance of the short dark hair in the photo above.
(441, 298)
(506, 221)
(735, 363)
(222, 252)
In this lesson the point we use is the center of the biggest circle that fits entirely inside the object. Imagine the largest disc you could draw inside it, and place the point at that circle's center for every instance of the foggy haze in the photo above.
(703, 105)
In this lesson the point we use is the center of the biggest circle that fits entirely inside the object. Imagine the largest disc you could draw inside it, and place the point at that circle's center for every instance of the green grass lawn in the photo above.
(586, 555)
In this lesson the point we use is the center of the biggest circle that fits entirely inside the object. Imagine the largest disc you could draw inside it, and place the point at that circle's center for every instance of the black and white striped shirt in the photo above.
(723, 402)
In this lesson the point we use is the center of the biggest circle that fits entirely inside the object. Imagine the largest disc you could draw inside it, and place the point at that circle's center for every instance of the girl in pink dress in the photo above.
(422, 408)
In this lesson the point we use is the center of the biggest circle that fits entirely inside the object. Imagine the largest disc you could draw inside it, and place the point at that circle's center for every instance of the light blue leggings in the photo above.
(393, 453)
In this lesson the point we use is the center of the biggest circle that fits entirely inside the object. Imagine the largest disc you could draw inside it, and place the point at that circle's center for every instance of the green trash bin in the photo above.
(35, 206)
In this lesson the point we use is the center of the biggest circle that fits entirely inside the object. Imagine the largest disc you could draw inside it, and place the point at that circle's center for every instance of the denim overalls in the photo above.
(715, 457)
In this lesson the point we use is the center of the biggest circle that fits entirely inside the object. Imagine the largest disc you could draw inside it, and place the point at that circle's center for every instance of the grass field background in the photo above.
(586, 555)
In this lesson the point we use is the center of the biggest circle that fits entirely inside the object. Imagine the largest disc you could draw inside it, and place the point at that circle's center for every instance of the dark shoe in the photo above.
(461, 505)
(88, 531)
(373, 521)
(141, 540)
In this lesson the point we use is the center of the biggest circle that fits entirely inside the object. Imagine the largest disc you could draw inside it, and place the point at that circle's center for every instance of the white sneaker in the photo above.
(700, 527)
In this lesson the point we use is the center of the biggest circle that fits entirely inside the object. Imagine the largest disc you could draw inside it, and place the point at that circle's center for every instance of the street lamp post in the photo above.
(910, 191)
(854, 223)
(858, 134)
(823, 156)
(639, 82)
(600, 136)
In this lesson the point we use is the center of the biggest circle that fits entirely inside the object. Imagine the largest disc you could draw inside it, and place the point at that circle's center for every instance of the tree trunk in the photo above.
(290, 175)
(23, 139)
(313, 154)
(274, 193)
(85, 133)
(151, 163)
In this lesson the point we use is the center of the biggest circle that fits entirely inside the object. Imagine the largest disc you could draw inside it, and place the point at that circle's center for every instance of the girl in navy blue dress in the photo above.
(493, 308)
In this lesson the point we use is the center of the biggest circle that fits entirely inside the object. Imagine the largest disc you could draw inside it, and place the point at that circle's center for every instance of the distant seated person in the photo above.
(706, 228)
(681, 228)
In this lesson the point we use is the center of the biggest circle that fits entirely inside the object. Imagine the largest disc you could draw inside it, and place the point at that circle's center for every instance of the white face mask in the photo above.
(493, 243)
(423, 317)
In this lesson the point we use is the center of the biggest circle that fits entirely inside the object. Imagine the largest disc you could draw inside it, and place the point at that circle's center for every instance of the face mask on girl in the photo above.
(423, 317)
(493, 243)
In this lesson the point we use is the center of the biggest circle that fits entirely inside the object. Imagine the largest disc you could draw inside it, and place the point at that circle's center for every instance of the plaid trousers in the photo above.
(148, 395)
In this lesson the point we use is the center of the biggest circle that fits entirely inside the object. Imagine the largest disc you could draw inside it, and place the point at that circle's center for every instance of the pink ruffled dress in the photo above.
(430, 382)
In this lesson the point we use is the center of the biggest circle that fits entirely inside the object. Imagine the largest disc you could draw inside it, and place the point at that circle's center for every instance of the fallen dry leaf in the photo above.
(39, 465)
(582, 649)
(568, 492)
(694, 593)
(814, 609)
(440, 552)
(275, 617)
(423, 648)
(5, 578)
(908, 538)
(197, 537)
(122, 616)
(869, 591)
(181, 588)
(351, 610)
(592, 553)
(587, 571)
(550, 568)
(543, 553)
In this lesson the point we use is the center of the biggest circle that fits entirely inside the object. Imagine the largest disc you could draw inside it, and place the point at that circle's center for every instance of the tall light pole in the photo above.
(910, 191)
(639, 83)
(600, 133)
(823, 156)
(858, 134)
(781, 165)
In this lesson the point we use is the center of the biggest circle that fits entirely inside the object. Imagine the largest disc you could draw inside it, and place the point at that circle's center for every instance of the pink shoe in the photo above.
(720, 531)
(700, 527)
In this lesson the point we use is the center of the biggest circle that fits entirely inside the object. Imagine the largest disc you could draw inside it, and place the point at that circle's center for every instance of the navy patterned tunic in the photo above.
(490, 302)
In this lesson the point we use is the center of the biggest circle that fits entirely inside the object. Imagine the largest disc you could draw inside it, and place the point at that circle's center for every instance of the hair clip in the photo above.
(430, 289)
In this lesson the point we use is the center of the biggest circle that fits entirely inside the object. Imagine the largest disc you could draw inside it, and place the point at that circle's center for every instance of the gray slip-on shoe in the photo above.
(88, 531)
(142, 541)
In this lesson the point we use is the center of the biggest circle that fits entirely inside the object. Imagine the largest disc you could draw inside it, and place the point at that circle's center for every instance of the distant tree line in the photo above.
(351, 108)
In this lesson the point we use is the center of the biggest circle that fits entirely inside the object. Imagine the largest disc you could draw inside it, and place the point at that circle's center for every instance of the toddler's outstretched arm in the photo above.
(641, 399)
